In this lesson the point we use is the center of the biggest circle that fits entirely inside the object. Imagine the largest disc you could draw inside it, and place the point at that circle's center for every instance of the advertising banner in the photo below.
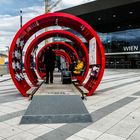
(92, 51)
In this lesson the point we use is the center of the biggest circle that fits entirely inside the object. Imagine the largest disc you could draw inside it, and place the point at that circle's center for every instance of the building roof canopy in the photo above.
(109, 16)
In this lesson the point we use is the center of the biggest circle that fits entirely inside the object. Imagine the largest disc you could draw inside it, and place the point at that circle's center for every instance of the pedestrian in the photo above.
(49, 61)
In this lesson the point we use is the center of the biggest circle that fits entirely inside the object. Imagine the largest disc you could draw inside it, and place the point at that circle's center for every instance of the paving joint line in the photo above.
(132, 133)
(105, 132)
(118, 79)
(112, 96)
(118, 86)
(5, 80)
(119, 122)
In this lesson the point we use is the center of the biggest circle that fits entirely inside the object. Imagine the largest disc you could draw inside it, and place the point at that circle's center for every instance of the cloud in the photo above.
(33, 10)
(10, 21)
(69, 3)
(5, 2)
(9, 25)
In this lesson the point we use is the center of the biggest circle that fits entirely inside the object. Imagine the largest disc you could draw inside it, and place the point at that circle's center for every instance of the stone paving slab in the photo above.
(111, 125)
(5, 78)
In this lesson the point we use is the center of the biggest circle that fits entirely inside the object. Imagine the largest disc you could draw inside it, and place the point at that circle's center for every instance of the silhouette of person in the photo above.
(72, 66)
(49, 61)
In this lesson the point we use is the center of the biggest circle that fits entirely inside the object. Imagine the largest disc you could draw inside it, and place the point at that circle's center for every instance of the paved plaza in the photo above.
(115, 110)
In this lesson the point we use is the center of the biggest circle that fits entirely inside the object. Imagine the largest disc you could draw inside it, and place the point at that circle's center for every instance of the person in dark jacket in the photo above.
(49, 61)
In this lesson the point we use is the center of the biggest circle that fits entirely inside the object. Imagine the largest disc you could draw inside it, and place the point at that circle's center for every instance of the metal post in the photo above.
(46, 6)
(21, 27)
(20, 18)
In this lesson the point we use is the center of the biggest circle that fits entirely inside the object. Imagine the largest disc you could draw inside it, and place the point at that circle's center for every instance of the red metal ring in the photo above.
(31, 73)
(61, 45)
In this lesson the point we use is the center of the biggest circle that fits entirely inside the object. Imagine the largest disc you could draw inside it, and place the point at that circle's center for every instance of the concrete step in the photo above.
(56, 109)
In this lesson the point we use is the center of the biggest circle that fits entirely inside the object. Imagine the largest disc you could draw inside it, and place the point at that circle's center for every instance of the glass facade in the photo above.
(122, 48)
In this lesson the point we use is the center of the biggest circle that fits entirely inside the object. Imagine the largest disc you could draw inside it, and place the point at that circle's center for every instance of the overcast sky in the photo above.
(9, 15)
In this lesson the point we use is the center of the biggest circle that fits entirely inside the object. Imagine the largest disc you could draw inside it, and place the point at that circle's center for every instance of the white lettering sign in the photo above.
(130, 48)
(92, 51)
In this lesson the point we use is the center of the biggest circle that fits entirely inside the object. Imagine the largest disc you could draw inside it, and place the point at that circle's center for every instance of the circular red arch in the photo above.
(61, 45)
(35, 42)
(40, 22)
(62, 54)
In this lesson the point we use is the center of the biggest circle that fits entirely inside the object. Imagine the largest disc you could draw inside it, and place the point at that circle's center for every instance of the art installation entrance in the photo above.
(97, 60)
(81, 66)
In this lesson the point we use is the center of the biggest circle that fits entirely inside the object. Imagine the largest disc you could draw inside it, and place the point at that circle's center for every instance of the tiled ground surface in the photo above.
(4, 77)
(115, 109)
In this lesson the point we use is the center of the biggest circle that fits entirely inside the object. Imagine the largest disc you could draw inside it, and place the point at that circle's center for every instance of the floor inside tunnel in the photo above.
(57, 88)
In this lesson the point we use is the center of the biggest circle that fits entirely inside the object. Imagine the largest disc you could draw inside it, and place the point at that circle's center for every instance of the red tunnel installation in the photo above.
(63, 20)
(79, 44)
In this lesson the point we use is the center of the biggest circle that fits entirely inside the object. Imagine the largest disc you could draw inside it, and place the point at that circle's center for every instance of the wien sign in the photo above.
(132, 48)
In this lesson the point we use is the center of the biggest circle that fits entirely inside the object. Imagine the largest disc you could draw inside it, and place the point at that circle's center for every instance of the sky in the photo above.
(10, 19)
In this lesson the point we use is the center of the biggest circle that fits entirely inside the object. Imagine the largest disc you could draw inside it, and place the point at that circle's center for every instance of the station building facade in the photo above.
(118, 25)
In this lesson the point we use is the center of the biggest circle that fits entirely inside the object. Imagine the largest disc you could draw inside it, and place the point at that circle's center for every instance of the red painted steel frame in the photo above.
(52, 19)
(64, 55)
(60, 45)
(31, 73)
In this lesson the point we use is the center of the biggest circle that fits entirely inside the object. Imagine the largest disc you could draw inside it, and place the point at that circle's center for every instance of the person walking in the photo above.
(49, 61)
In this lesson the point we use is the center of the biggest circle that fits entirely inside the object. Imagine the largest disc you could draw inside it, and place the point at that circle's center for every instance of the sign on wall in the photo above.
(132, 48)
(92, 51)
